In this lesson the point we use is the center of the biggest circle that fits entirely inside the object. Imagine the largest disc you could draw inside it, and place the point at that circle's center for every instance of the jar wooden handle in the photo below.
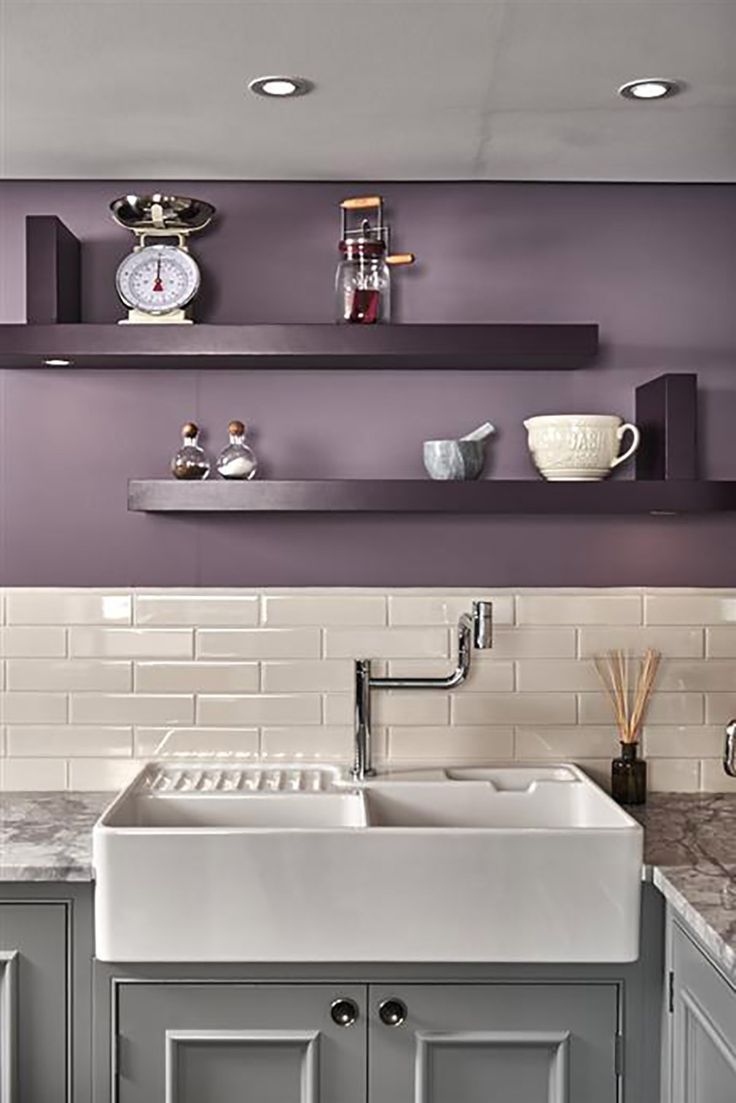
(397, 259)
(361, 203)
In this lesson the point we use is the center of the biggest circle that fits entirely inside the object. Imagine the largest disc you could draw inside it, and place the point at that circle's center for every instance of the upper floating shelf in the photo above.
(55, 331)
(486, 496)
(499, 347)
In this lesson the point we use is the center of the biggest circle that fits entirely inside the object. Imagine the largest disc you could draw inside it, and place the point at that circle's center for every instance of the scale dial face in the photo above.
(158, 279)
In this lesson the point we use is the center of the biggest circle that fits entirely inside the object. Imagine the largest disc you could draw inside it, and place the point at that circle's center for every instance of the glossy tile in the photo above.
(513, 708)
(59, 607)
(33, 643)
(59, 740)
(259, 643)
(39, 675)
(579, 609)
(451, 744)
(196, 609)
(196, 677)
(419, 610)
(259, 709)
(690, 608)
(673, 642)
(325, 610)
(128, 708)
(195, 742)
(131, 643)
(309, 676)
(386, 643)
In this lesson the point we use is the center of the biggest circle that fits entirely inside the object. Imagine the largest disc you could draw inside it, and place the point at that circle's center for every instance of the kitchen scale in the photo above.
(159, 281)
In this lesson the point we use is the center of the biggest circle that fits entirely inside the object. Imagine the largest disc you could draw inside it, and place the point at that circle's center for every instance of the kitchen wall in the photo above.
(655, 265)
(95, 679)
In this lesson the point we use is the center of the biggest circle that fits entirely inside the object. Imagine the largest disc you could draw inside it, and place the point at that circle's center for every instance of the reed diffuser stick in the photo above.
(628, 691)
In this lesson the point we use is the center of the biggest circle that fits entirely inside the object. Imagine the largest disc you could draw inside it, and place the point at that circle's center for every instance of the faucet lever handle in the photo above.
(482, 624)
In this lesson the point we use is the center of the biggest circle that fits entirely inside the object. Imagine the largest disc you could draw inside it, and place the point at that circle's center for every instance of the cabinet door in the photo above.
(511, 1043)
(33, 1003)
(703, 1050)
(239, 1043)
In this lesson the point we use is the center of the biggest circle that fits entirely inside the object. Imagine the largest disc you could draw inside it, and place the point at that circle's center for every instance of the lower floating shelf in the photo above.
(518, 496)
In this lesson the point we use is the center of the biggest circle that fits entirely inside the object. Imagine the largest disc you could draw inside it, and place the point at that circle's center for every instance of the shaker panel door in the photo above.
(238, 1043)
(704, 1029)
(33, 1003)
(495, 1043)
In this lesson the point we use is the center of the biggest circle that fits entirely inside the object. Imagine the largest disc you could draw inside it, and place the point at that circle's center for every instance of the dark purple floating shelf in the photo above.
(497, 347)
(491, 496)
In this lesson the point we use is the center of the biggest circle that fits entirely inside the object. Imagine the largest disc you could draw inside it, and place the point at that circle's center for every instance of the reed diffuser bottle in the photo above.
(629, 684)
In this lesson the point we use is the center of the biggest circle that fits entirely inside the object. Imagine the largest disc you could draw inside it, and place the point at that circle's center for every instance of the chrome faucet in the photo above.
(729, 751)
(472, 631)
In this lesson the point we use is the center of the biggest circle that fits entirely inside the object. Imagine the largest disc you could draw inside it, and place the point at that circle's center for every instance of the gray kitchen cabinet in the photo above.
(702, 1051)
(34, 1058)
(239, 1043)
(520, 1043)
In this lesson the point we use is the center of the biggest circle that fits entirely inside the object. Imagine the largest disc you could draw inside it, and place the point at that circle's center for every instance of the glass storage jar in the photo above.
(363, 282)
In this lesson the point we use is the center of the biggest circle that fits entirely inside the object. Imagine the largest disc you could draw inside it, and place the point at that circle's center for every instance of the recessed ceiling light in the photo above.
(650, 88)
(55, 362)
(280, 87)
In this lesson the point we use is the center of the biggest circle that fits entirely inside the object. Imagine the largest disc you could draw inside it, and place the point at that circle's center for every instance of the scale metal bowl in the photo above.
(177, 213)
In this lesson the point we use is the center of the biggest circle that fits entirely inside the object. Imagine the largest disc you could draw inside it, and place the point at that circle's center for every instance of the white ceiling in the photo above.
(517, 89)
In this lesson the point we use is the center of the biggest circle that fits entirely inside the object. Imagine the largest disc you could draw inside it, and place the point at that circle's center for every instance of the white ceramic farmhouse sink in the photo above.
(507, 864)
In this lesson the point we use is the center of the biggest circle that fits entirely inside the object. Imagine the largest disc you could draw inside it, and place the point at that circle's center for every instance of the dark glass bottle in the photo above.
(629, 776)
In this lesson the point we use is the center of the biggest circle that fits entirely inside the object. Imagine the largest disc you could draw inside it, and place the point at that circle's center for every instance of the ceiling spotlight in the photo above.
(649, 89)
(56, 362)
(280, 87)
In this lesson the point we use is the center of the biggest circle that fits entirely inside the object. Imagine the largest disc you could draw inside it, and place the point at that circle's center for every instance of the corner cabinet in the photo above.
(313, 1043)
(702, 1042)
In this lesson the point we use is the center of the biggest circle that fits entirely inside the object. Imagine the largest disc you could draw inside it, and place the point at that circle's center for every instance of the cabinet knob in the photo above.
(392, 1012)
(344, 1012)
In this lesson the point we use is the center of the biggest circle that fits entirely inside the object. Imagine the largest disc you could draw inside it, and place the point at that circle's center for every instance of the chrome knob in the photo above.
(392, 1012)
(344, 1012)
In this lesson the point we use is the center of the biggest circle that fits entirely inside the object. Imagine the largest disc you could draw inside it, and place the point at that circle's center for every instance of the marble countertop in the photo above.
(690, 846)
(48, 836)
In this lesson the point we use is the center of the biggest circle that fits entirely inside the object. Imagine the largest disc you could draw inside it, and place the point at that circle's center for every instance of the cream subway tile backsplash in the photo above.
(129, 643)
(128, 708)
(35, 708)
(33, 643)
(720, 642)
(97, 774)
(680, 741)
(460, 744)
(199, 741)
(93, 681)
(675, 643)
(196, 677)
(196, 608)
(325, 610)
(38, 774)
(579, 609)
(33, 740)
(513, 708)
(309, 676)
(259, 643)
(61, 607)
(418, 610)
(255, 709)
(331, 742)
(75, 674)
(673, 774)
(386, 643)
(665, 708)
(532, 643)
(690, 608)
(555, 675)
(566, 743)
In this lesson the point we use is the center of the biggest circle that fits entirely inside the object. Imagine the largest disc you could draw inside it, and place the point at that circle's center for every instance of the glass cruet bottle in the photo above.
(191, 461)
(237, 460)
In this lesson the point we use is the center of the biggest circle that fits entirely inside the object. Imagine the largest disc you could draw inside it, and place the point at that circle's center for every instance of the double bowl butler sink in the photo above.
(236, 863)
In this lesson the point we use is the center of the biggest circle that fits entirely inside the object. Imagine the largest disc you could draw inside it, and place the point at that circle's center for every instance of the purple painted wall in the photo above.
(654, 265)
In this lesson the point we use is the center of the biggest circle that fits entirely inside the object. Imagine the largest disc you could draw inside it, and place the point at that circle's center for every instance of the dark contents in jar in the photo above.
(364, 307)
